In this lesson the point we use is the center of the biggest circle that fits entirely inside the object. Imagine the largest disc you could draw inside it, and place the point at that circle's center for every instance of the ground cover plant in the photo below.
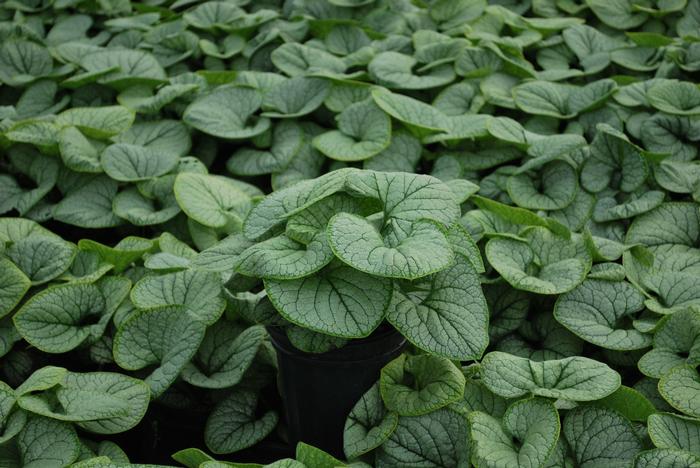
(513, 186)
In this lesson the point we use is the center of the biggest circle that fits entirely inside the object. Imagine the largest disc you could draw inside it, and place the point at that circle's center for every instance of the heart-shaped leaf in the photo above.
(445, 314)
(597, 310)
(575, 378)
(432, 383)
(368, 425)
(227, 112)
(338, 300)
(197, 291)
(63, 317)
(233, 424)
(166, 337)
(525, 437)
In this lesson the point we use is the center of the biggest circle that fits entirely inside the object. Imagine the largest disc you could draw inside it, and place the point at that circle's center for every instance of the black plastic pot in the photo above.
(162, 432)
(319, 390)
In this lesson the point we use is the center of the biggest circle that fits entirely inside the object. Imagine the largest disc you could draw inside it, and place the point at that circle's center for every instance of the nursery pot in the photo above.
(319, 390)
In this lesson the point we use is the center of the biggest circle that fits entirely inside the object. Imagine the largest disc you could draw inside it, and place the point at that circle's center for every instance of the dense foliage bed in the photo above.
(514, 186)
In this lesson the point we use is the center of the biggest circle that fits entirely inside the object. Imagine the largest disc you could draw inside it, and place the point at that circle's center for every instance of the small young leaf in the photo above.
(233, 425)
(196, 291)
(368, 425)
(433, 383)
(227, 112)
(13, 286)
(166, 337)
(364, 130)
(213, 201)
(525, 438)
(224, 356)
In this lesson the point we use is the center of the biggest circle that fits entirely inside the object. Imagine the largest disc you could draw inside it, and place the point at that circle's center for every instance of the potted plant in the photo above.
(353, 264)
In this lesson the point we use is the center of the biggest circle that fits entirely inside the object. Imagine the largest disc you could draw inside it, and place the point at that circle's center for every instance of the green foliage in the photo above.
(512, 186)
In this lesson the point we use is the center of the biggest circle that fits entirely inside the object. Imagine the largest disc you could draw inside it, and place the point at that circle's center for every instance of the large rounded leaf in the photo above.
(128, 67)
(338, 301)
(574, 378)
(557, 188)
(295, 97)
(601, 312)
(401, 155)
(676, 342)
(415, 114)
(89, 205)
(288, 140)
(406, 198)
(357, 242)
(666, 458)
(395, 70)
(132, 163)
(675, 97)
(446, 315)
(298, 59)
(100, 402)
(663, 133)
(600, 437)
(672, 431)
(23, 61)
(618, 14)
(97, 122)
(310, 222)
(435, 439)
(42, 258)
(280, 204)
(608, 209)
(131, 205)
(163, 136)
(614, 161)
(563, 101)
(670, 223)
(44, 442)
(63, 317)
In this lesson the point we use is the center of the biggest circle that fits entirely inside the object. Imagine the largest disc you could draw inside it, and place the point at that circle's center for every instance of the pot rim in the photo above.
(384, 340)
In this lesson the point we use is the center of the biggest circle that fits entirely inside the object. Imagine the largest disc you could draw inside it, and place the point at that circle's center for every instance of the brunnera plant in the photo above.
(342, 253)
